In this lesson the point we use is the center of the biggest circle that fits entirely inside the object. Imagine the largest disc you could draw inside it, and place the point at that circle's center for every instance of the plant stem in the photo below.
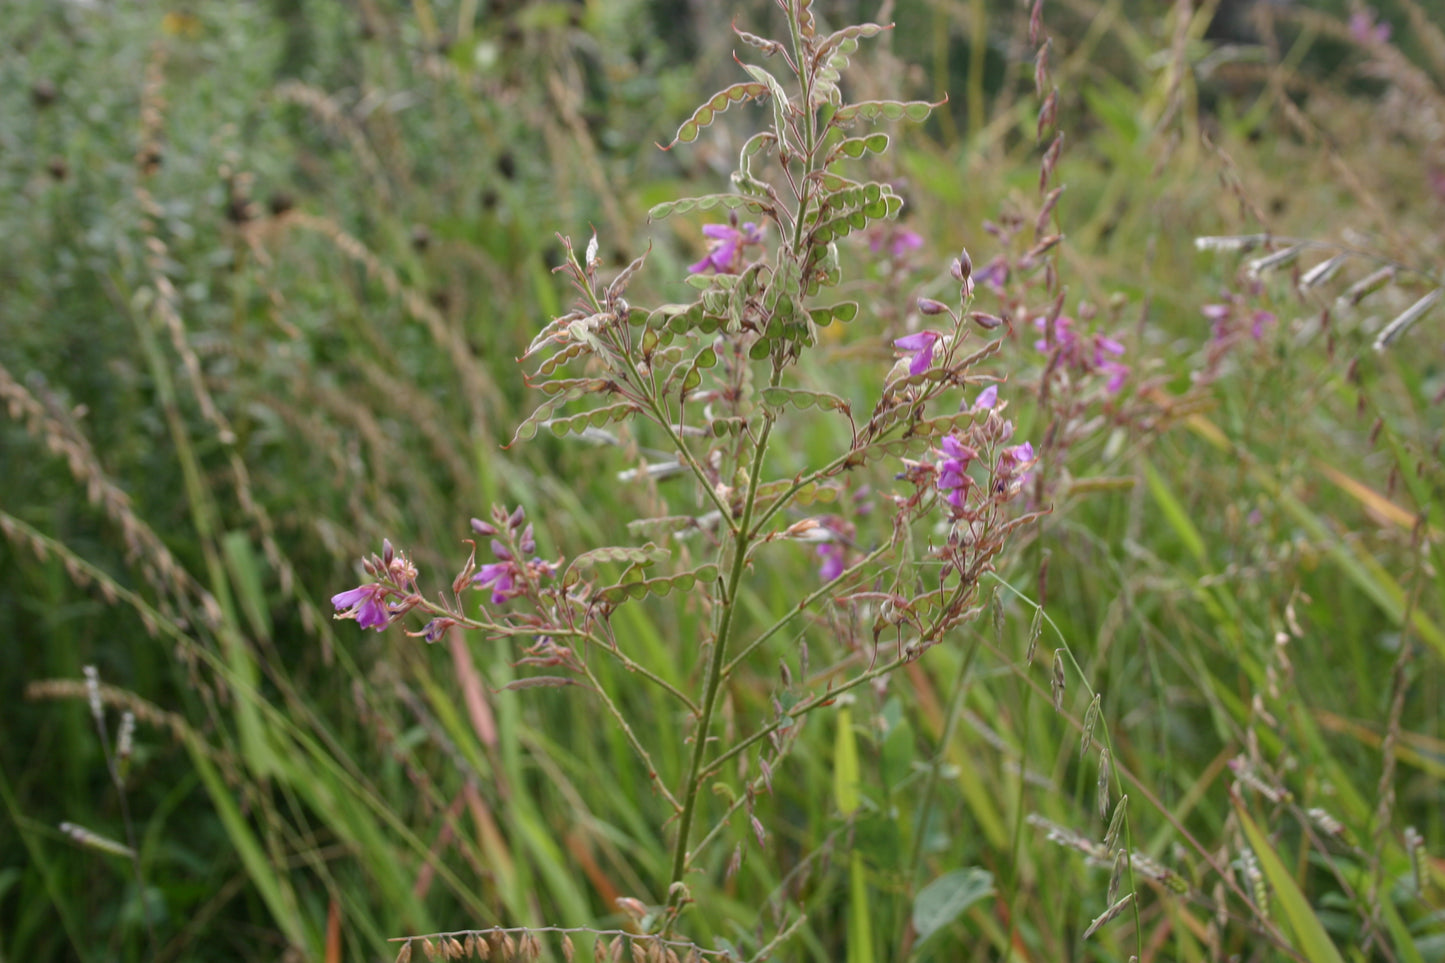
(715, 673)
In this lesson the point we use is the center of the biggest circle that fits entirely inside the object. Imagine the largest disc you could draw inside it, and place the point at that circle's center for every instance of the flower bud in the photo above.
(962, 267)
(931, 307)
(482, 528)
(984, 320)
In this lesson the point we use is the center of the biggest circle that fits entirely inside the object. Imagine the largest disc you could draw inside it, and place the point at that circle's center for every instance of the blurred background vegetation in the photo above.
(265, 267)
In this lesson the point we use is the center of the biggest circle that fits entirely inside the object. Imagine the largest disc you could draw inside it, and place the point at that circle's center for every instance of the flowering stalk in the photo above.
(713, 380)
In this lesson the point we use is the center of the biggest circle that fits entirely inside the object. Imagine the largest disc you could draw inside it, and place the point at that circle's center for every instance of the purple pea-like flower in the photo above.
(1058, 335)
(986, 399)
(953, 478)
(1365, 29)
(1106, 351)
(501, 576)
(833, 563)
(726, 248)
(1062, 339)
(994, 274)
(1257, 322)
(1015, 457)
(921, 344)
(900, 241)
(364, 604)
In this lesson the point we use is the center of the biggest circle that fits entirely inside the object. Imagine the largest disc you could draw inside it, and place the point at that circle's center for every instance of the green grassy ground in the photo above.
(265, 271)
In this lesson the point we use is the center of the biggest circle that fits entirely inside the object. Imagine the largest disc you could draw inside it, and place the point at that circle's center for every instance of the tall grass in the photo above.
(265, 277)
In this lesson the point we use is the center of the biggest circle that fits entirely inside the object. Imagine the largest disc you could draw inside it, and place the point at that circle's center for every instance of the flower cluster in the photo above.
(512, 572)
(1229, 318)
(1083, 354)
(393, 591)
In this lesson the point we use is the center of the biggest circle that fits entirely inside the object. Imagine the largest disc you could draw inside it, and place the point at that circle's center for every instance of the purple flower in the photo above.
(922, 345)
(834, 562)
(994, 274)
(1118, 374)
(1258, 321)
(953, 478)
(900, 241)
(986, 399)
(1060, 338)
(1106, 350)
(1364, 28)
(1014, 458)
(725, 250)
(364, 604)
(1058, 335)
(501, 576)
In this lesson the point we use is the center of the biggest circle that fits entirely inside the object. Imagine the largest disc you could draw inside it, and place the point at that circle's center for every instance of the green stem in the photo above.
(801, 709)
(801, 607)
(636, 743)
(743, 533)
(659, 414)
(715, 674)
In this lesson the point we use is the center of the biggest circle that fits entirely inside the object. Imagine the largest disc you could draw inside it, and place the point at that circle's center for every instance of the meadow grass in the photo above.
(265, 279)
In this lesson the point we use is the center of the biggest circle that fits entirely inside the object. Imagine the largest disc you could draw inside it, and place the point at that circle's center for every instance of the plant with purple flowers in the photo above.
(717, 382)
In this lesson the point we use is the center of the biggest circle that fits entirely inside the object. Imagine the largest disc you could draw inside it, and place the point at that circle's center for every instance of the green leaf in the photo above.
(245, 573)
(846, 771)
(941, 901)
(719, 102)
(1314, 942)
(860, 911)
(1175, 514)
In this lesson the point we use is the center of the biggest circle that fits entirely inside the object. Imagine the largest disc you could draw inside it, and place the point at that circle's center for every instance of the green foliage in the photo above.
(265, 273)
